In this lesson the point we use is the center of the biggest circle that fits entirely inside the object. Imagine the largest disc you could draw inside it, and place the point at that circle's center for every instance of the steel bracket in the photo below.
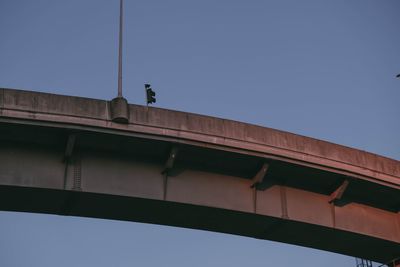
(258, 179)
(69, 148)
(169, 164)
(337, 195)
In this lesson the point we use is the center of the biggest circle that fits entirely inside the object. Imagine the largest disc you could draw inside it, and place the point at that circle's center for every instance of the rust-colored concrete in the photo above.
(64, 155)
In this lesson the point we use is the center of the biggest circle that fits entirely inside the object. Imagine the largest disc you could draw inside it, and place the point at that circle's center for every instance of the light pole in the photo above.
(119, 107)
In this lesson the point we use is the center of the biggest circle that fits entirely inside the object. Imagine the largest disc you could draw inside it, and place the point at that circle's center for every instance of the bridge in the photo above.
(106, 159)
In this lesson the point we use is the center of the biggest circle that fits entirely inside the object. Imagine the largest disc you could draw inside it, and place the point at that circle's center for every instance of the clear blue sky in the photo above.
(324, 69)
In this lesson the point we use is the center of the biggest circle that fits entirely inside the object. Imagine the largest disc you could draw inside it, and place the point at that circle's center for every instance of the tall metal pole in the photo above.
(121, 13)
(119, 108)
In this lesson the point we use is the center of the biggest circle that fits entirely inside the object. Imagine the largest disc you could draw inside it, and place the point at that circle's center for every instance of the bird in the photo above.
(398, 76)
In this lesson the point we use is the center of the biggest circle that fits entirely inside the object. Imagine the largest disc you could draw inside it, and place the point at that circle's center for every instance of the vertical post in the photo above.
(121, 13)
(119, 108)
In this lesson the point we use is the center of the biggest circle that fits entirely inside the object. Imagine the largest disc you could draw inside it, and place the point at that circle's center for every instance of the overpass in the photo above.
(73, 156)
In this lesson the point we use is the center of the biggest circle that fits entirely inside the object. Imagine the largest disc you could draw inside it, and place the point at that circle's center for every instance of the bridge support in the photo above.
(337, 195)
(258, 179)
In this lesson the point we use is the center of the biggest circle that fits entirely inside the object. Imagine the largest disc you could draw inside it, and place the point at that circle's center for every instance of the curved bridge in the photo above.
(64, 155)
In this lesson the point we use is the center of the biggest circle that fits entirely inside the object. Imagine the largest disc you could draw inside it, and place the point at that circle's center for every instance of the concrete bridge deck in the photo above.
(64, 155)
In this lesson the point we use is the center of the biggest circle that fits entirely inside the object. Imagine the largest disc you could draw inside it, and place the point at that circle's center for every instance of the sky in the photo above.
(320, 68)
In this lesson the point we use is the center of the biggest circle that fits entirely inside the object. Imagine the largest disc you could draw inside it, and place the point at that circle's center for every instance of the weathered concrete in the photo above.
(119, 110)
(64, 155)
(193, 127)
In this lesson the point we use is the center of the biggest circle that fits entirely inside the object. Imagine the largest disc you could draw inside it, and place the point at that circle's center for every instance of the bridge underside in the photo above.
(66, 170)
(196, 217)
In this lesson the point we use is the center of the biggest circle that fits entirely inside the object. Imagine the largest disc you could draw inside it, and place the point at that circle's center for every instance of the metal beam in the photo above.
(258, 179)
(337, 195)
(169, 164)
(69, 147)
